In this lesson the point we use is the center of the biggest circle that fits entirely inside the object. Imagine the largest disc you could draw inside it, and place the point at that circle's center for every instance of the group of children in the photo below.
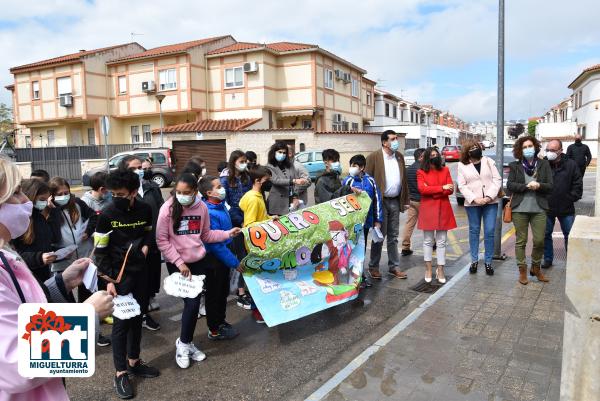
(197, 232)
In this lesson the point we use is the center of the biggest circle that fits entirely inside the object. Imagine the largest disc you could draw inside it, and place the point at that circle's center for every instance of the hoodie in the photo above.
(186, 245)
(95, 204)
(220, 220)
(233, 196)
(367, 183)
(254, 208)
(328, 186)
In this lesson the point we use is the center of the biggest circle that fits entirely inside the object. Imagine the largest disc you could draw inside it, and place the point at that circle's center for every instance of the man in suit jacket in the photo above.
(388, 169)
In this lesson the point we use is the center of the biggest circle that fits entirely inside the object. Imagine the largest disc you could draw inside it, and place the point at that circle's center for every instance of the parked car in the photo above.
(163, 165)
(313, 161)
(409, 156)
(508, 158)
(451, 152)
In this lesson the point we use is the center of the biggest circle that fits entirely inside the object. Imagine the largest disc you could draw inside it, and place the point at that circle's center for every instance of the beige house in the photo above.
(282, 85)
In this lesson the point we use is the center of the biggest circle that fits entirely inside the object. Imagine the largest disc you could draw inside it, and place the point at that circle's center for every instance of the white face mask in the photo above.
(551, 156)
(354, 171)
(62, 199)
(221, 193)
(140, 173)
(203, 171)
(15, 217)
(40, 205)
(185, 200)
(241, 167)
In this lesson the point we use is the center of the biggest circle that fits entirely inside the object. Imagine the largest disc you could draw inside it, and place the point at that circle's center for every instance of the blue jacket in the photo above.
(234, 194)
(220, 220)
(367, 184)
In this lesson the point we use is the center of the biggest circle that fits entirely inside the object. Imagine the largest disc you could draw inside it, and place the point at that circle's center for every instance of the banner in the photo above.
(308, 260)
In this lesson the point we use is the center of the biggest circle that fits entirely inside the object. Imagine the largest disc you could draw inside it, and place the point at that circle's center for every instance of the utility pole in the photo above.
(498, 255)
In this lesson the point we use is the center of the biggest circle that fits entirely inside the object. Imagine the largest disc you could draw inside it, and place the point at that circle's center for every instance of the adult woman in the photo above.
(435, 214)
(479, 182)
(283, 178)
(35, 246)
(18, 285)
(529, 183)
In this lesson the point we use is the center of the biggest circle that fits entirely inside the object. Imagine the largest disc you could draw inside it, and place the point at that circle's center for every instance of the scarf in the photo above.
(529, 167)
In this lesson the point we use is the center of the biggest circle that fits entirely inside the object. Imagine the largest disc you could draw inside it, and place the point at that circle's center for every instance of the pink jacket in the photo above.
(475, 185)
(14, 387)
(186, 245)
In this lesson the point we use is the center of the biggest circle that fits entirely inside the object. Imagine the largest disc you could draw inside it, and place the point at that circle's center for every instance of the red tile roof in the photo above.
(593, 68)
(236, 47)
(169, 49)
(210, 125)
(279, 47)
(290, 46)
(353, 132)
(63, 59)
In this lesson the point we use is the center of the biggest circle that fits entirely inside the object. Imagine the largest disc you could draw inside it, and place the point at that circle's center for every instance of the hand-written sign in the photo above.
(125, 307)
(177, 285)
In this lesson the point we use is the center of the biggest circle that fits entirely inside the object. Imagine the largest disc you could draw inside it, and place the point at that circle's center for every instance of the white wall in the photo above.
(589, 112)
(549, 130)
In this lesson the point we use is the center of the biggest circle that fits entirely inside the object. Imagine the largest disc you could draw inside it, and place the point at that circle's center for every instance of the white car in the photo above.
(409, 156)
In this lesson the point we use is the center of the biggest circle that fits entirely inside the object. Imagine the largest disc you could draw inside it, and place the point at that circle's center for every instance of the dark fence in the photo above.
(65, 161)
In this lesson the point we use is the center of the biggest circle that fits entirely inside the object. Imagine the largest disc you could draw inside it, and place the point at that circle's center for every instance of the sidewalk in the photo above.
(485, 339)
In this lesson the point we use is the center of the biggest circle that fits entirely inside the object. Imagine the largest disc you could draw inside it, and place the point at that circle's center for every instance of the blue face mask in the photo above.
(394, 145)
(335, 166)
(529, 153)
(280, 157)
(107, 196)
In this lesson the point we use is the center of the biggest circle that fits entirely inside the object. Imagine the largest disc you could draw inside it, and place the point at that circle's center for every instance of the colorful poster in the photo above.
(308, 260)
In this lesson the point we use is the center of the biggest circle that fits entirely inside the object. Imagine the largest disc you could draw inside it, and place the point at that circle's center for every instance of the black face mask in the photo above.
(437, 162)
(475, 153)
(147, 174)
(121, 203)
(266, 186)
(577, 140)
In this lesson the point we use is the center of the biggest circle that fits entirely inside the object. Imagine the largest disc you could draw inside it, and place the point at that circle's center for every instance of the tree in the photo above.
(516, 130)
(6, 121)
(531, 127)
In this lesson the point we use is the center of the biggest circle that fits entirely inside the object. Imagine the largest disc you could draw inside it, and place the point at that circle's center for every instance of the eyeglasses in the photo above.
(120, 276)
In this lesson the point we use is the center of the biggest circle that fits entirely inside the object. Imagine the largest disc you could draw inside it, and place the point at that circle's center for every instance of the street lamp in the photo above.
(160, 98)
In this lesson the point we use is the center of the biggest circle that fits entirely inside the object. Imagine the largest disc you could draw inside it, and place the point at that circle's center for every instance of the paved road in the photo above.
(287, 362)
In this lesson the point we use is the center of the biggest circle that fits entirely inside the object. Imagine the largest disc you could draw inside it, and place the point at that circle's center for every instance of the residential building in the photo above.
(488, 130)
(557, 122)
(586, 106)
(285, 85)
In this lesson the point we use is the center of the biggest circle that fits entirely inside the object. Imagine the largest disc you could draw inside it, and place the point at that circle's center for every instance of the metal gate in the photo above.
(212, 151)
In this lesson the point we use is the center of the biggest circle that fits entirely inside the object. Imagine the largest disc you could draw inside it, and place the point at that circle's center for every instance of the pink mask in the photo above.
(15, 217)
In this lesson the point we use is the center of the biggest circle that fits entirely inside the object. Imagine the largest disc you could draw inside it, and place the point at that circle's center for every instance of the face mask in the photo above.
(203, 173)
(15, 217)
(476, 153)
(335, 166)
(266, 186)
(280, 157)
(551, 156)
(140, 173)
(529, 153)
(354, 171)
(394, 145)
(577, 140)
(437, 161)
(107, 196)
(185, 200)
(121, 203)
(221, 193)
(147, 174)
(62, 199)
(40, 205)
(241, 167)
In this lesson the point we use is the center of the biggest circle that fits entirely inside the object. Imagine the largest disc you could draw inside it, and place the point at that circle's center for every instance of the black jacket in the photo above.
(515, 185)
(580, 154)
(411, 176)
(329, 186)
(153, 198)
(133, 227)
(568, 187)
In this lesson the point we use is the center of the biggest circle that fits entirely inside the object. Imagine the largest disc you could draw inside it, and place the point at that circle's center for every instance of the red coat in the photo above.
(435, 211)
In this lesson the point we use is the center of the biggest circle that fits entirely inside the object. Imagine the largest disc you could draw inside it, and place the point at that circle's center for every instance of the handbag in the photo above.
(507, 212)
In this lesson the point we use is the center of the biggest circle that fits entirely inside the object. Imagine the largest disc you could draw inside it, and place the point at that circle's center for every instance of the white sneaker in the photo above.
(182, 354)
(195, 353)
(202, 310)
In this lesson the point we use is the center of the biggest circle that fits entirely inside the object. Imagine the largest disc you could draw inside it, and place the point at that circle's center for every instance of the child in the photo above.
(182, 231)
(129, 222)
(222, 257)
(360, 181)
(98, 197)
(255, 210)
(328, 185)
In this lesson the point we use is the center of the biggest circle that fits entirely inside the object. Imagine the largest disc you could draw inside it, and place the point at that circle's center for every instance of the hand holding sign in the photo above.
(125, 307)
(177, 285)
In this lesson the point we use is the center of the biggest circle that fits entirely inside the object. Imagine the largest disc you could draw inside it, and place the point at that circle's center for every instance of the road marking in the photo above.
(343, 374)
(454, 243)
(507, 234)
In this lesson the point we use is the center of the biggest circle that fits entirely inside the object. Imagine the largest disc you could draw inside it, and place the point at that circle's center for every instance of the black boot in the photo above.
(489, 270)
(473, 268)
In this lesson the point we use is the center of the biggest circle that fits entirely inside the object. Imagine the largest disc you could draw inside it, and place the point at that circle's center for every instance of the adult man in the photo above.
(415, 201)
(300, 190)
(580, 154)
(150, 194)
(387, 167)
(568, 188)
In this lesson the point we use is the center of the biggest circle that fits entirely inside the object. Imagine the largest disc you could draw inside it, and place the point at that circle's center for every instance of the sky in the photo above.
(434, 52)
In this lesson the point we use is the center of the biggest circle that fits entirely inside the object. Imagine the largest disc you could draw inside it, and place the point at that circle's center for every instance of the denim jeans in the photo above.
(476, 214)
(566, 222)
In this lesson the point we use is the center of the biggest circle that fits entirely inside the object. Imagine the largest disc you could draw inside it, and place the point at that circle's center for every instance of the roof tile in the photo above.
(210, 125)
(169, 49)
(279, 47)
(236, 47)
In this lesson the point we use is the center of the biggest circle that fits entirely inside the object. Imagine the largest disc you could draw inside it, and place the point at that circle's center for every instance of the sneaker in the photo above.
(257, 316)
(202, 310)
(195, 353)
(103, 341)
(224, 332)
(150, 323)
(123, 387)
(108, 320)
(244, 301)
(153, 305)
(406, 252)
(182, 354)
(140, 369)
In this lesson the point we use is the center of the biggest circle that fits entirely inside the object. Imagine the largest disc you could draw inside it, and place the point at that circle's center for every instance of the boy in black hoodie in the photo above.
(129, 222)
(329, 185)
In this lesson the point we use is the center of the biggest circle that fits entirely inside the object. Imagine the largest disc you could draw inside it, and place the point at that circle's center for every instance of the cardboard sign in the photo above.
(178, 286)
(125, 307)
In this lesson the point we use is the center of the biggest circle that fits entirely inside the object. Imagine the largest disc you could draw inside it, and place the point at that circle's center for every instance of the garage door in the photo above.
(211, 151)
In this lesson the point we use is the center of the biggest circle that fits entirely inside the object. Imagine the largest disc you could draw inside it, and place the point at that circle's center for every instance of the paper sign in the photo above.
(267, 285)
(90, 278)
(306, 288)
(125, 307)
(178, 286)
(64, 252)
(377, 235)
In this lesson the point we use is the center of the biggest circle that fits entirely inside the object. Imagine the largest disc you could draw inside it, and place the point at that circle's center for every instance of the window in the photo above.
(50, 136)
(147, 133)
(234, 77)
(27, 141)
(345, 126)
(167, 79)
(91, 136)
(64, 85)
(328, 79)
(159, 158)
(318, 156)
(35, 89)
(395, 109)
(387, 109)
(368, 98)
(122, 84)
(354, 126)
(135, 134)
(583, 131)
(304, 158)
(354, 87)
(307, 124)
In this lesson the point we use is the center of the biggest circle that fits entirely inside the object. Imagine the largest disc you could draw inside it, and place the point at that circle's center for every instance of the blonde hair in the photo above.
(10, 179)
